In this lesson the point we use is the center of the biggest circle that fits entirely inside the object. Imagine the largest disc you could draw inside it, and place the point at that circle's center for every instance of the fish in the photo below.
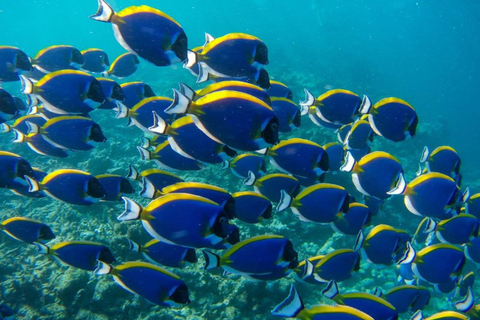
(157, 285)
(13, 170)
(321, 203)
(158, 178)
(376, 307)
(27, 230)
(230, 56)
(433, 195)
(112, 91)
(66, 92)
(443, 315)
(178, 218)
(8, 109)
(95, 60)
(191, 142)
(252, 207)
(279, 90)
(257, 256)
(146, 32)
(58, 57)
(293, 307)
(79, 254)
(166, 254)
(234, 118)
(385, 244)
(359, 136)
(459, 229)
(354, 220)
(336, 155)
(70, 186)
(443, 159)
(242, 164)
(37, 143)
(377, 174)
(135, 92)
(167, 158)
(393, 119)
(115, 186)
(70, 132)
(337, 106)
(123, 66)
(288, 114)
(272, 184)
(406, 297)
(13, 62)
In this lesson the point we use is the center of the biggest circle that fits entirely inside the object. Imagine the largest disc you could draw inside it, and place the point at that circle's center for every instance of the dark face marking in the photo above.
(95, 189)
(220, 227)
(180, 295)
(126, 187)
(180, 47)
(261, 55)
(234, 236)
(117, 92)
(46, 233)
(106, 256)
(268, 212)
(191, 256)
(23, 62)
(264, 80)
(229, 208)
(77, 57)
(290, 255)
(270, 134)
(96, 134)
(324, 163)
(24, 169)
(95, 91)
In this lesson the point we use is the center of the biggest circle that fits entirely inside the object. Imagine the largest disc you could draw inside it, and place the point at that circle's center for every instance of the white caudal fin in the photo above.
(419, 171)
(225, 164)
(144, 153)
(291, 306)
(132, 245)
(103, 268)
(466, 303)
(308, 102)
(33, 185)
(18, 137)
(308, 270)
(417, 315)
(27, 84)
(208, 39)
(32, 102)
(32, 127)
(132, 210)
(180, 103)
(105, 74)
(400, 186)
(425, 155)
(104, 12)
(191, 59)
(348, 163)
(430, 226)
(160, 126)
(359, 241)
(408, 256)
(250, 180)
(132, 172)
(366, 105)
(466, 195)
(122, 110)
(43, 249)
(148, 189)
(4, 128)
(285, 201)
(377, 292)
(186, 90)
(212, 260)
(331, 290)
(146, 143)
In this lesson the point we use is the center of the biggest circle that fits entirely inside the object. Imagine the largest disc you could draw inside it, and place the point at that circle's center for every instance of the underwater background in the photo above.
(425, 52)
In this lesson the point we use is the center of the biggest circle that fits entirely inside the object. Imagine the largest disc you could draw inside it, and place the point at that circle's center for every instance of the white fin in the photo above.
(359, 241)
(103, 268)
(191, 59)
(366, 105)
(285, 201)
(225, 164)
(180, 103)
(349, 163)
(417, 315)
(377, 292)
(32, 127)
(425, 155)
(212, 260)
(160, 126)
(203, 72)
(4, 128)
(419, 171)
(105, 74)
(146, 143)
(132, 210)
(27, 85)
(208, 39)
(304, 110)
(187, 91)
(308, 102)
(122, 110)
(308, 269)
(33, 185)
(148, 189)
(291, 306)
(250, 180)
(431, 238)
(430, 226)
(144, 153)
(43, 249)
(104, 12)
(331, 290)
(32, 101)
(132, 172)
(400, 186)
(18, 137)
(466, 195)
(263, 151)
(466, 303)
(133, 246)
(408, 256)
(175, 147)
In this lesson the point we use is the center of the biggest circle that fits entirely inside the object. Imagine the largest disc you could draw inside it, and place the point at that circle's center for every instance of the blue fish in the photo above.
(242, 164)
(157, 285)
(321, 203)
(158, 178)
(359, 136)
(135, 92)
(70, 186)
(288, 114)
(95, 60)
(234, 118)
(37, 143)
(385, 244)
(112, 91)
(443, 159)
(271, 185)
(66, 92)
(58, 57)
(336, 155)
(27, 230)
(167, 158)
(179, 218)
(459, 229)
(13, 170)
(123, 66)
(79, 254)
(115, 186)
(407, 298)
(351, 222)
(279, 90)
(146, 32)
(252, 207)
(13, 62)
(166, 254)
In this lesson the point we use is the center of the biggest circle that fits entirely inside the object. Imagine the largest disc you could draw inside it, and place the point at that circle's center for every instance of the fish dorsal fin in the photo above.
(425, 155)
(208, 39)
(104, 12)
(291, 306)
(285, 201)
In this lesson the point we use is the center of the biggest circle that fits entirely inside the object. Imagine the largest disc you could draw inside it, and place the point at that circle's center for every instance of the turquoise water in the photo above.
(425, 52)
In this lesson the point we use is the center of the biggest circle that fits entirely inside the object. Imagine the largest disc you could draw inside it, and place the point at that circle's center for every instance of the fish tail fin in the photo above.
(105, 74)
(366, 105)
(132, 211)
(212, 260)
(225, 164)
(400, 186)
(5, 128)
(307, 103)
(160, 126)
(132, 245)
(408, 256)
(466, 195)
(349, 163)
(122, 110)
(187, 91)
(308, 270)
(192, 58)
(425, 155)
(250, 180)
(291, 306)
(27, 85)
(148, 189)
(417, 315)
(32, 102)
(205, 72)
(104, 12)
(32, 127)
(378, 292)
(146, 143)
(103, 268)
(144, 153)
(331, 290)
(42, 248)
(359, 241)
(180, 103)
(132, 172)
(285, 201)
(466, 303)
(18, 136)
(33, 185)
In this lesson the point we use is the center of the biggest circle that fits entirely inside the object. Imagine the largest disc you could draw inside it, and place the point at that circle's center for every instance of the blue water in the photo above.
(425, 52)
